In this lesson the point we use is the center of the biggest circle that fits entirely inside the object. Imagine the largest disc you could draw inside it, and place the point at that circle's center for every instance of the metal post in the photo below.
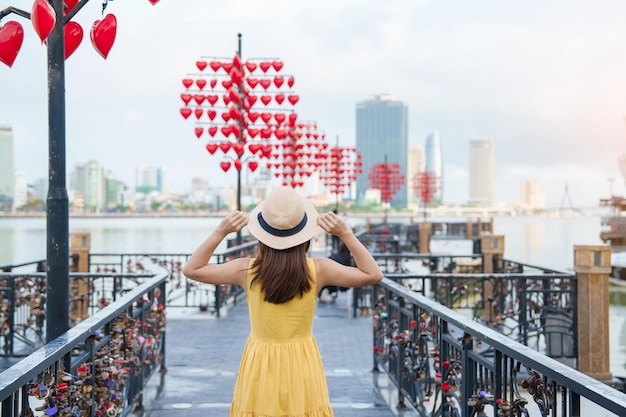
(239, 170)
(57, 269)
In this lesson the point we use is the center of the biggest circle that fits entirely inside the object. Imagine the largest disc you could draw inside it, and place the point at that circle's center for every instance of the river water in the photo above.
(547, 242)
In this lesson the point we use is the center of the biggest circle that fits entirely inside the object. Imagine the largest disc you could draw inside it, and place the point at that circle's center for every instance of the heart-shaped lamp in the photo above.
(73, 37)
(43, 18)
(11, 39)
(103, 34)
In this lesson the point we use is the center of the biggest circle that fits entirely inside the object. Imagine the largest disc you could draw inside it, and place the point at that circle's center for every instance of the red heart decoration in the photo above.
(238, 164)
(227, 84)
(253, 132)
(201, 83)
(43, 18)
(198, 113)
(213, 82)
(253, 165)
(293, 99)
(215, 65)
(211, 114)
(266, 99)
(265, 66)
(226, 99)
(227, 66)
(252, 82)
(212, 98)
(199, 98)
(234, 129)
(225, 146)
(153, 2)
(225, 165)
(73, 37)
(201, 65)
(280, 117)
(252, 100)
(253, 116)
(187, 82)
(226, 116)
(278, 65)
(186, 112)
(290, 81)
(212, 131)
(278, 81)
(238, 148)
(186, 98)
(266, 133)
(198, 131)
(226, 131)
(279, 98)
(265, 83)
(266, 117)
(254, 147)
(69, 5)
(251, 66)
(292, 118)
(211, 147)
(103, 34)
(11, 39)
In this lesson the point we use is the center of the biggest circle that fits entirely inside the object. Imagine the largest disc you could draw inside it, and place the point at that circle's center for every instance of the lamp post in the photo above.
(341, 168)
(425, 187)
(388, 179)
(51, 20)
(247, 120)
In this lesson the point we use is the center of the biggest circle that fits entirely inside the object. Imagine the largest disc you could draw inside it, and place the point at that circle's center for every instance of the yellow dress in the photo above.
(281, 372)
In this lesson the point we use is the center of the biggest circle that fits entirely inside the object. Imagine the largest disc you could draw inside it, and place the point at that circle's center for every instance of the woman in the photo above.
(281, 371)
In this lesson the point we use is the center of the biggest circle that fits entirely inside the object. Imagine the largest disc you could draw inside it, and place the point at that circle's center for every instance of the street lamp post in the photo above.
(59, 13)
(341, 168)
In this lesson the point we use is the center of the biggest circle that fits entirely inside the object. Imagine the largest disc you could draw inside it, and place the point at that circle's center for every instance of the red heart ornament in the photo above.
(186, 112)
(254, 147)
(198, 131)
(278, 65)
(251, 66)
(253, 116)
(212, 98)
(187, 82)
(252, 82)
(293, 99)
(212, 131)
(153, 2)
(265, 83)
(290, 81)
(215, 65)
(253, 132)
(279, 98)
(252, 100)
(43, 18)
(253, 165)
(73, 37)
(186, 98)
(238, 164)
(278, 81)
(103, 34)
(198, 112)
(211, 114)
(266, 117)
(265, 66)
(211, 147)
(238, 148)
(225, 165)
(201, 83)
(11, 39)
(69, 5)
(266, 99)
(201, 65)
(213, 82)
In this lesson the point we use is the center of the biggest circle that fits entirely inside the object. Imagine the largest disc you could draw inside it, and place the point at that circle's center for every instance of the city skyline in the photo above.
(547, 86)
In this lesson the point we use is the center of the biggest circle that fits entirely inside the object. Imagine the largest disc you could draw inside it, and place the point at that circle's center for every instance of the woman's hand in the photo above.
(233, 222)
(333, 224)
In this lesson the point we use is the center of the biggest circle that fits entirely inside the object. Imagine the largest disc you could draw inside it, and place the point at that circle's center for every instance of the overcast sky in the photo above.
(546, 80)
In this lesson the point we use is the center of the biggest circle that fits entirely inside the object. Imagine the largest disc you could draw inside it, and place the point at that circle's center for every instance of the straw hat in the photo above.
(283, 220)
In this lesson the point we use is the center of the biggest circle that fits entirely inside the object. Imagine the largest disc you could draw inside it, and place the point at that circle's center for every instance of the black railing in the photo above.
(99, 366)
(446, 364)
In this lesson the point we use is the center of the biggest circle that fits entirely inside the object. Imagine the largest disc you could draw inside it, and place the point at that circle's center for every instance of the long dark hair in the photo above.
(282, 274)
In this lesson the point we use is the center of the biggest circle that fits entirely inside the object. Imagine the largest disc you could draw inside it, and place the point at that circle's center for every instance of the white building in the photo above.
(481, 171)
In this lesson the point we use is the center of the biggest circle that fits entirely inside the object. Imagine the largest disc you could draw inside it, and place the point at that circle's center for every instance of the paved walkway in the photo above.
(203, 353)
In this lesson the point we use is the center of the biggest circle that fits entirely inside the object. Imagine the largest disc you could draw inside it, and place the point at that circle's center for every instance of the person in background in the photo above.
(281, 371)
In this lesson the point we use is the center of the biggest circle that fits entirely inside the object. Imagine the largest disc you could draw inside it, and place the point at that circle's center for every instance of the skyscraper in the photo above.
(382, 137)
(88, 185)
(7, 174)
(416, 163)
(434, 165)
(149, 179)
(481, 172)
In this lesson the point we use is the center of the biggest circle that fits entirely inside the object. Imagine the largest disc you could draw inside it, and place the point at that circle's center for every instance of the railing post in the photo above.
(593, 266)
(468, 229)
(492, 247)
(425, 231)
(80, 244)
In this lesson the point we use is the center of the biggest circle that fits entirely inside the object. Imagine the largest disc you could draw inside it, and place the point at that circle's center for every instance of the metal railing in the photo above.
(99, 366)
(445, 364)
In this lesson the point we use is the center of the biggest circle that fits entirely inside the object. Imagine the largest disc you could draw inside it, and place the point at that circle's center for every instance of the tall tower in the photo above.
(88, 185)
(434, 164)
(416, 163)
(382, 136)
(7, 170)
(148, 179)
(481, 172)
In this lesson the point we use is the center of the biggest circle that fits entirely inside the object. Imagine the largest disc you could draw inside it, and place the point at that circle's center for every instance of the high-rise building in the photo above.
(382, 137)
(7, 174)
(20, 192)
(88, 186)
(434, 165)
(148, 179)
(416, 163)
(531, 196)
(481, 170)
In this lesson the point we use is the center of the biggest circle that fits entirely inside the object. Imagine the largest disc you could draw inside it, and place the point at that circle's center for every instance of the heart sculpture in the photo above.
(69, 5)
(73, 37)
(11, 39)
(103, 34)
(43, 18)
(225, 165)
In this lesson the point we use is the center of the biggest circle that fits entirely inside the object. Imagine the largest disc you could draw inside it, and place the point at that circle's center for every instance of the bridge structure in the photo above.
(441, 335)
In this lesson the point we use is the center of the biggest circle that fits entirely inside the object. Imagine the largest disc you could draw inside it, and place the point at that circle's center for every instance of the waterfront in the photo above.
(540, 241)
